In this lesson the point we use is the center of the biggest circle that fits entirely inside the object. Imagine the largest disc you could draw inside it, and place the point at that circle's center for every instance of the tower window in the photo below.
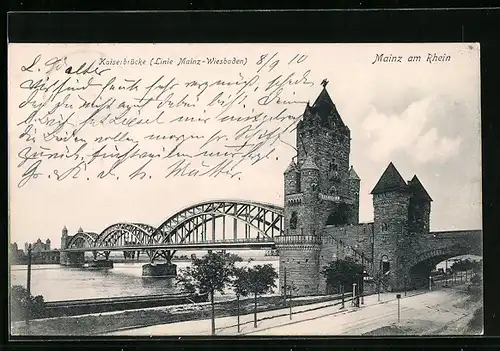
(333, 191)
(385, 264)
(314, 186)
(384, 227)
(293, 220)
(333, 166)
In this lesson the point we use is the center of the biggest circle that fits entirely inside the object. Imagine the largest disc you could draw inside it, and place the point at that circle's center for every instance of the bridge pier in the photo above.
(160, 270)
(72, 259)
(99, 264)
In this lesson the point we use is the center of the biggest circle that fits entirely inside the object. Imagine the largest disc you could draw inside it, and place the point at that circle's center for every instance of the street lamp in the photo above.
(28, 289)
(362, 287)
(446, 273)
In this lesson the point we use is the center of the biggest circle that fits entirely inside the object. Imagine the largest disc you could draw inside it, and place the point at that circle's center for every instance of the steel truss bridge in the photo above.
(220, 224)
(211, 225)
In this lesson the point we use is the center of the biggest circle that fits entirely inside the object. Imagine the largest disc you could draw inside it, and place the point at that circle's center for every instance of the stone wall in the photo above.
(354, 186)
(292, 182)
(327, 146)
(310, 201)
(337, 241)
(301, 262)
(419, 212)
(390, 225)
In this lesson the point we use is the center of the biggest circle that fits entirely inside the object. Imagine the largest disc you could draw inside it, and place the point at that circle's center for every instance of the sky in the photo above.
(424, 117)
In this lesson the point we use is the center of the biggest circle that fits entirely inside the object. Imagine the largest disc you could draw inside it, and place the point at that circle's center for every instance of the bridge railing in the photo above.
(261, 239)
(229, 241)
(297, 239)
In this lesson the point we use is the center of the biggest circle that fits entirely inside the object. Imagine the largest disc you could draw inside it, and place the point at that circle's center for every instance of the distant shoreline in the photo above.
(262, 258)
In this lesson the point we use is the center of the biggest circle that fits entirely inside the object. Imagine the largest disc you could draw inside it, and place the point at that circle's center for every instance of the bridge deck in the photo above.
(205, 245)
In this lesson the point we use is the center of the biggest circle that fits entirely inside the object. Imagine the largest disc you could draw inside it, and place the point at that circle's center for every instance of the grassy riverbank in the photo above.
(93, 324)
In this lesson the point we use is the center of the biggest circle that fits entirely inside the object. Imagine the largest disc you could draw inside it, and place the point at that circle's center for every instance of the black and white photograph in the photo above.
(245, 189)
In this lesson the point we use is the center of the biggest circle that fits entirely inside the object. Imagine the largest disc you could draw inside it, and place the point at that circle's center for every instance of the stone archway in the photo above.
(340, 215)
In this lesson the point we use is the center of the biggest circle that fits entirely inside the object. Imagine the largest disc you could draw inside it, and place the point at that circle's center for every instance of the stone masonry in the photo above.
(321, 213)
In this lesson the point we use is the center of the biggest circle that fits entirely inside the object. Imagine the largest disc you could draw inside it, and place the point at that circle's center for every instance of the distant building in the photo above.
(38, 246)
(16, 254)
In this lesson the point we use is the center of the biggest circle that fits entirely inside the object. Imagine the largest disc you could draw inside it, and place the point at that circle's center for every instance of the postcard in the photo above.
(245, 189)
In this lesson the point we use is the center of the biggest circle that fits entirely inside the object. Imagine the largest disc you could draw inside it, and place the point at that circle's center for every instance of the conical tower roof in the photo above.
(353, 175)
(390, 180)
(324, 103)
(80, 230)
(325, 109)
(292, 167)
(417, 189)
(309, 164)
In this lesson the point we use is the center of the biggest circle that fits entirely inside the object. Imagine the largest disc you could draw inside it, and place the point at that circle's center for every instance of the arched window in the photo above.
(384, 227)
(333, 191)
(385, 265)
(314, 186)
(293, 220)
(333, 166)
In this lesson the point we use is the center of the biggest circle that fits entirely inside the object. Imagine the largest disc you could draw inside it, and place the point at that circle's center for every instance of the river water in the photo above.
(58, 283)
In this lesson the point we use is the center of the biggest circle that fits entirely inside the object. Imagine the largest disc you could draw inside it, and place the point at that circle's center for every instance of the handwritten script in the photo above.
(89, 116)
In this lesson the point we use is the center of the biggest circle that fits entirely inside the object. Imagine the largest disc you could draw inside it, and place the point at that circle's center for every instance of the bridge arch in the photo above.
(421, 265)
(265, 219)
(121, 234)
(82, 239)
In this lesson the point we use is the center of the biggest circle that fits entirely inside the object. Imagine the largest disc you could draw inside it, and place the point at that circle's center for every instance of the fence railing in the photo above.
(297, 239)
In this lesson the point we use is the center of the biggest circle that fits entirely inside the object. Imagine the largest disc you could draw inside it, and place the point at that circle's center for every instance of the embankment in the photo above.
(92, 324)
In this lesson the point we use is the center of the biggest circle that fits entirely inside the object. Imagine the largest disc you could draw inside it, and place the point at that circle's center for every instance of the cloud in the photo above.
(412, 132)
(394, 132)
(430, 147)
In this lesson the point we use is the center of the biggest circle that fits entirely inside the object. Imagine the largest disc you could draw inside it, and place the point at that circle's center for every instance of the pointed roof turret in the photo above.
(353, 175)
(390, 180)
(292, 167)
(323, 104)
(80, 230)
(309, 164)
(417, 189)
(324, 111)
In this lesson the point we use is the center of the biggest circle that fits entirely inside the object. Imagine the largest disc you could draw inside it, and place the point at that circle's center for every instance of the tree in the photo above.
(342, 272)
(261, 279)
(23, 306)
(240, 286)
(209, 274)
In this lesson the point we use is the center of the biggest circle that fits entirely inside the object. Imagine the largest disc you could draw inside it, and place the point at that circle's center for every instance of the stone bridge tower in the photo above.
(401, 221)
(320, 189)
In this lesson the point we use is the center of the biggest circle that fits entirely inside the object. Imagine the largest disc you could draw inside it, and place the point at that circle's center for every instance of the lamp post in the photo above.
(354, 295)
(28, 289)
(362, 287)
(446, 274)
(284, 283)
